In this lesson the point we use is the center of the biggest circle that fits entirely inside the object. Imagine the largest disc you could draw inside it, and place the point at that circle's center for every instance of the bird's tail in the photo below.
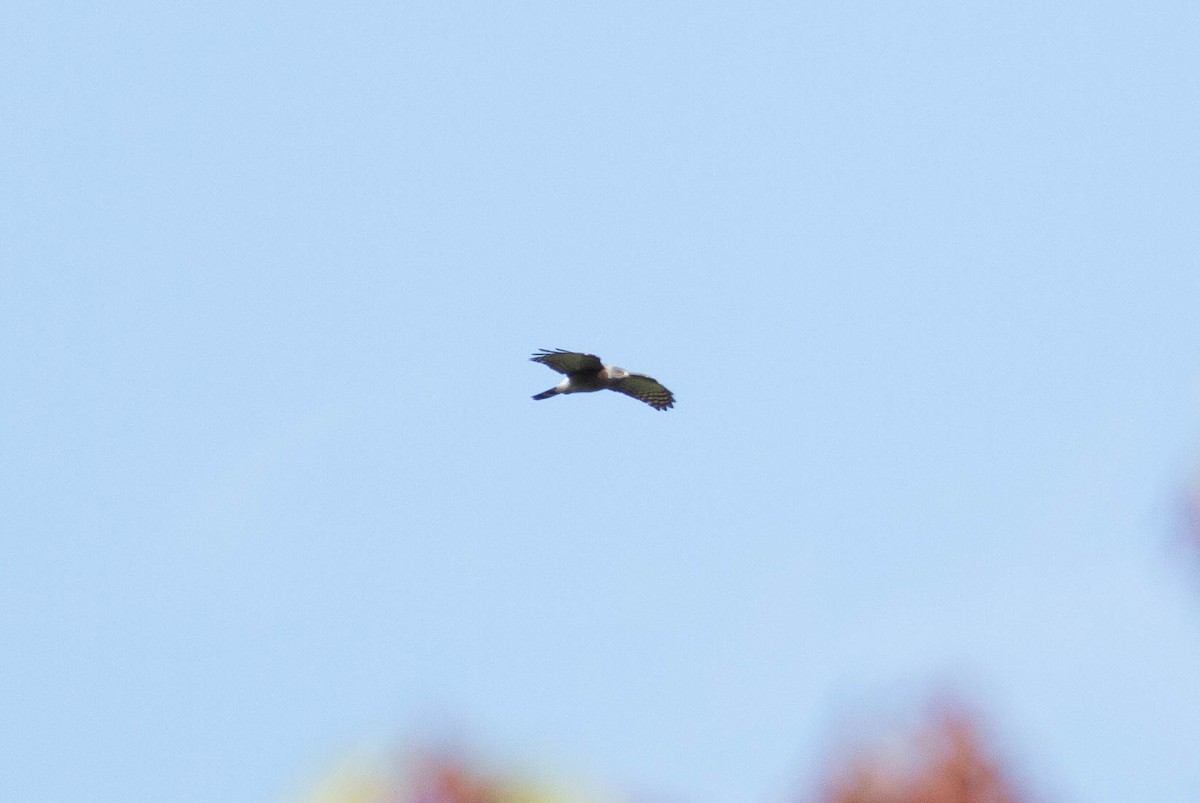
(546, 394)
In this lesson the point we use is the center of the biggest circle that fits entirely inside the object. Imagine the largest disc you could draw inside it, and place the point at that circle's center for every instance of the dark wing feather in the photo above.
(568, 362)
(644, 388)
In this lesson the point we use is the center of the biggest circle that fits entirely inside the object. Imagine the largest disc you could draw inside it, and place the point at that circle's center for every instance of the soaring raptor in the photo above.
(585, 374)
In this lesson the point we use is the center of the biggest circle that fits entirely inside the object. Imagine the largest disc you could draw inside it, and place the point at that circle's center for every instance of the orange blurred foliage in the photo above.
(946, 761)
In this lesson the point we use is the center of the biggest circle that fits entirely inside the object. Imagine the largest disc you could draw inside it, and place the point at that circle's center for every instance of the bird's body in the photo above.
(586, 374)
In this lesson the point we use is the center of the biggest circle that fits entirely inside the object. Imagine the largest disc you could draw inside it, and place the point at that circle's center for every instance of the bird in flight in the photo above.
(585, 374)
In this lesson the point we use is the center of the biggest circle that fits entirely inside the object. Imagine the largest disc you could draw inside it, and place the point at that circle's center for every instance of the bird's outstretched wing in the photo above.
(644, 388)
(568, 362)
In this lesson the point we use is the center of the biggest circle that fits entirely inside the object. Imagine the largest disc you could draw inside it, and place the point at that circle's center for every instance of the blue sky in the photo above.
(924, 279)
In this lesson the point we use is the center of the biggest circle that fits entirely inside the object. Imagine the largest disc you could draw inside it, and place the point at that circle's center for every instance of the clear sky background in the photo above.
(924, 277)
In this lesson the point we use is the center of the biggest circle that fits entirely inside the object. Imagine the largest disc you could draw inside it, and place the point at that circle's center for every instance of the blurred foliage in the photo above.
(432, 778)
(1190, 524)
(945, 759)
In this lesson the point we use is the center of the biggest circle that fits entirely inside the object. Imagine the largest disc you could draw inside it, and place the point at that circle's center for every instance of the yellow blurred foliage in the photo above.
(430, 780)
